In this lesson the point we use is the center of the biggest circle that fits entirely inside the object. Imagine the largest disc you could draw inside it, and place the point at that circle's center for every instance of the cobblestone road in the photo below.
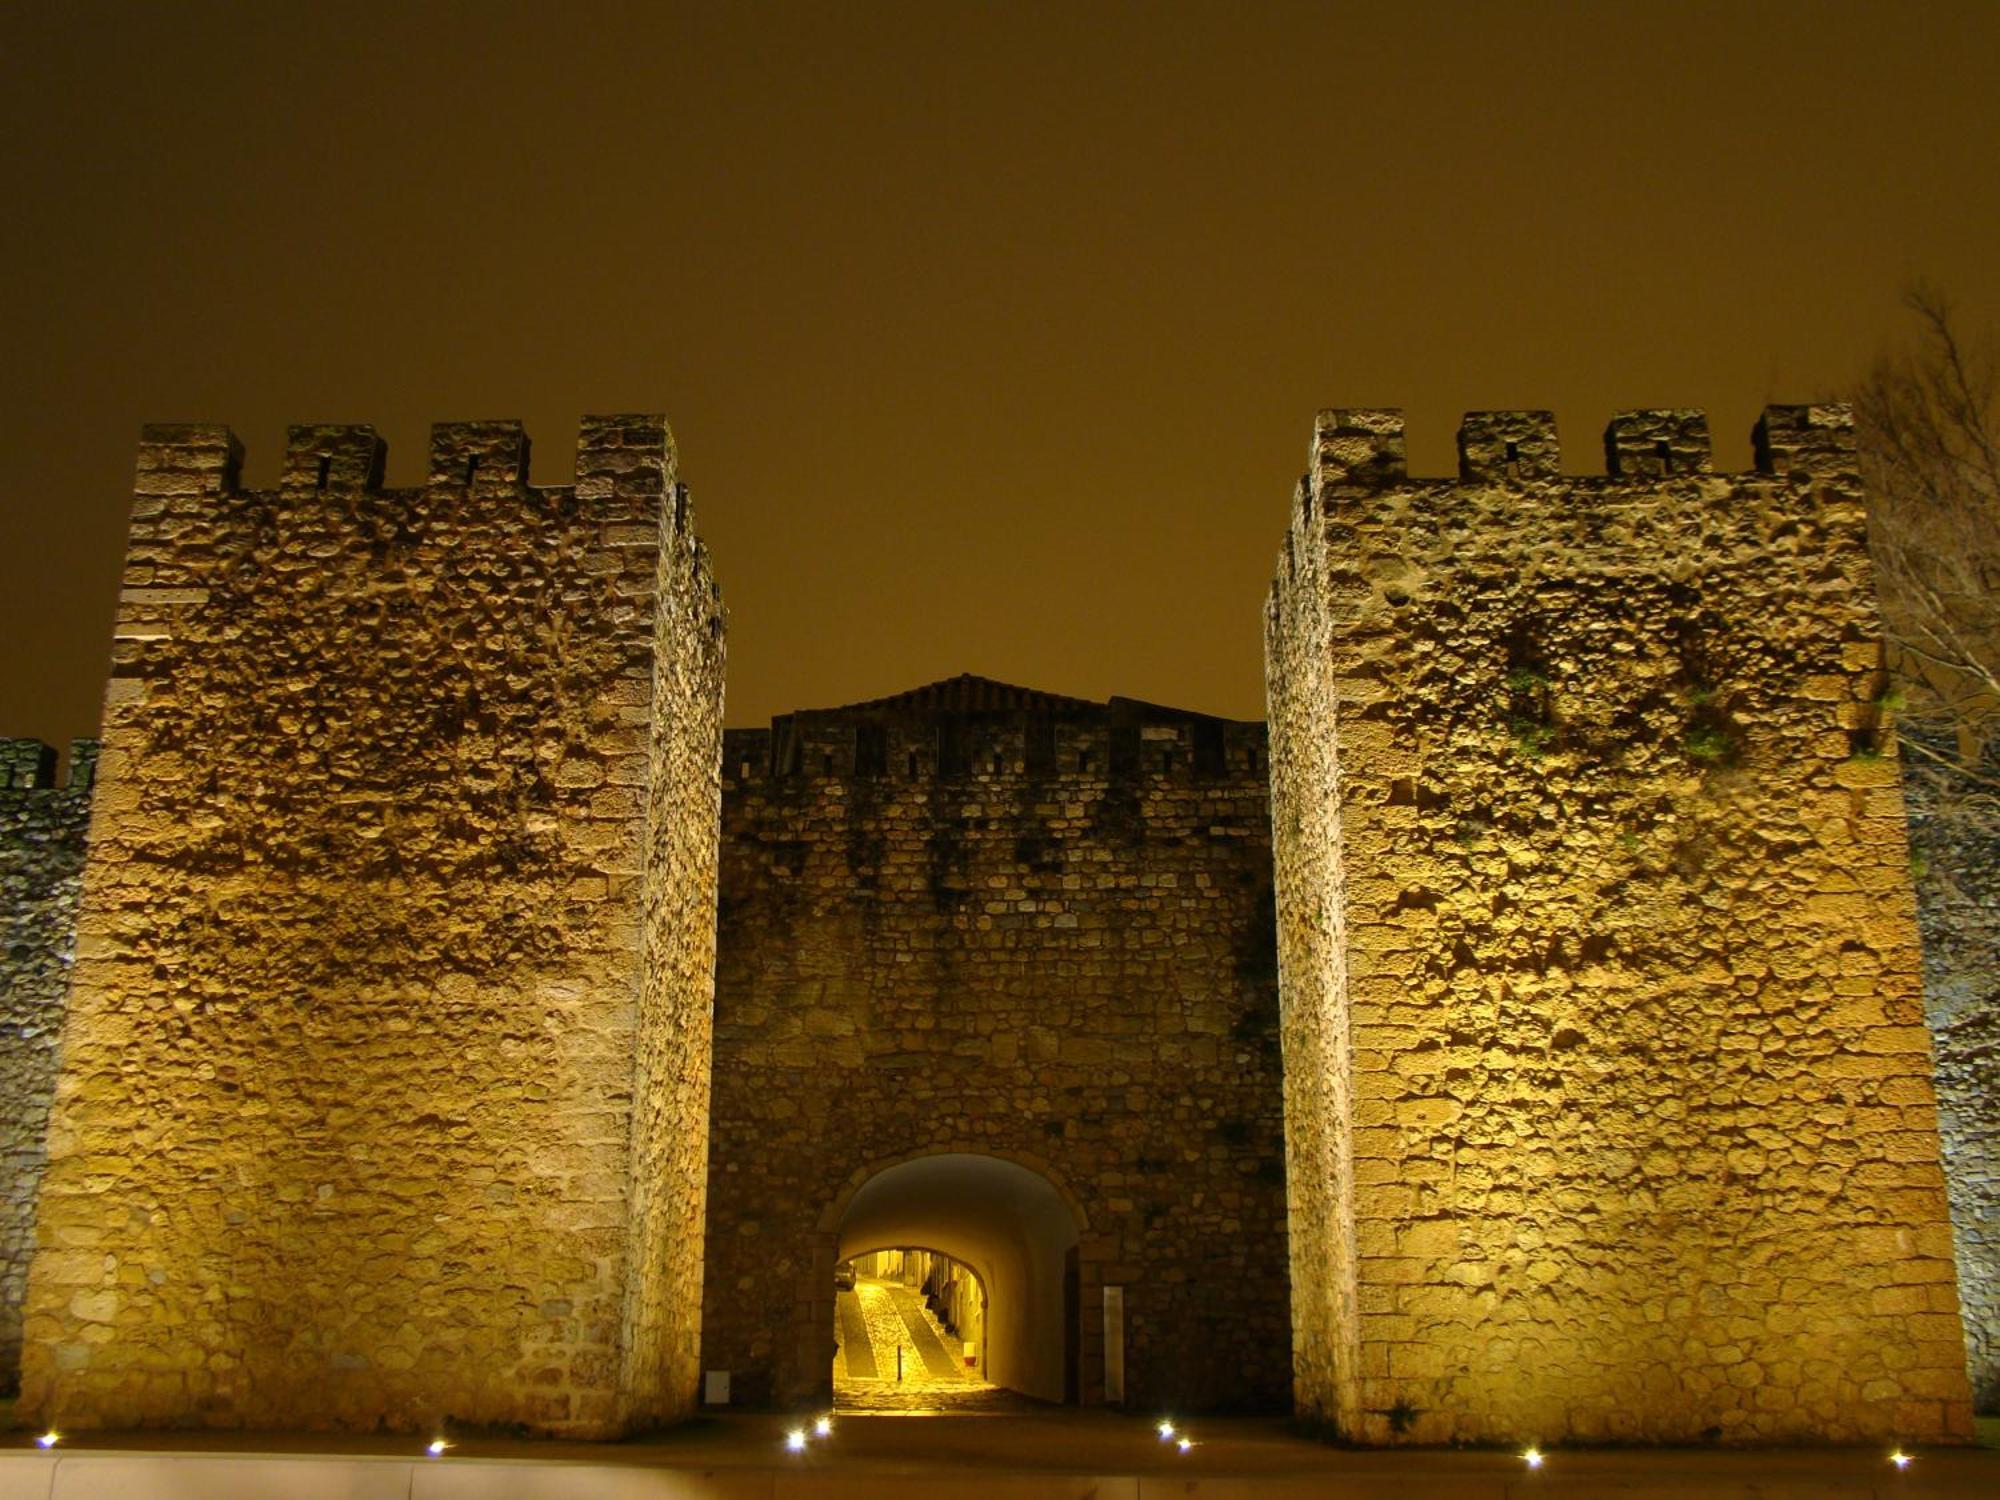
(877, 1320)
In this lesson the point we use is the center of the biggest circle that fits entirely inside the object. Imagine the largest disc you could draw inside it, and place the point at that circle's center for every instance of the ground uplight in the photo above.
(436, 1447)
(823, 1427)
(50, 1438)
(1532, 1458)
(1900, 1459)
(1166, 1431)
(796, 1440)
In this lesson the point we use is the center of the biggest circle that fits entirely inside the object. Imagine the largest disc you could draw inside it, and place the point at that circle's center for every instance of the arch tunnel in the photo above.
(1012, 1228)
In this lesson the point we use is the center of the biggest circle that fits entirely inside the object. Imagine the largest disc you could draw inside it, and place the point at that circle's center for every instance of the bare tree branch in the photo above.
(1930, 449)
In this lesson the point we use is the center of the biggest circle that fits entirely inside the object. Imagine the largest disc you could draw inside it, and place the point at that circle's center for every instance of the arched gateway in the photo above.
(1014, 1228)
(995, 979)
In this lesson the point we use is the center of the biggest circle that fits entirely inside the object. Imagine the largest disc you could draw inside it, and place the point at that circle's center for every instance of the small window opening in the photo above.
(913, 765)
(826, 763)
(996, 765)
(1664, 452)
(1513, 460)
(471, 468)
(1083, 761)
(325, 469)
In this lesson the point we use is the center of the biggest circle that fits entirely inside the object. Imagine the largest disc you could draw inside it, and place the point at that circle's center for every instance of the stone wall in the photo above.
(41, 866)
(983, 920)
(378, 945)
(1609, 1094)
(1957, 863)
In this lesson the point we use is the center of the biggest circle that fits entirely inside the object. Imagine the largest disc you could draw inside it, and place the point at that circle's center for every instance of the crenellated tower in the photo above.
(1608, 1090)
(383, 1096)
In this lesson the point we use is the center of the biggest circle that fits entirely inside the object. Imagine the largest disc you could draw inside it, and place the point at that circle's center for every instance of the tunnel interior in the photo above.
(950, 1251)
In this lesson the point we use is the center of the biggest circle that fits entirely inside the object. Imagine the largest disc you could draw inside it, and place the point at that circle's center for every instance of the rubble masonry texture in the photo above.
(1607, 1104)
(1958, 910)
(41, 868)
(384, 1075)
(978, 919)
(1608, 1088)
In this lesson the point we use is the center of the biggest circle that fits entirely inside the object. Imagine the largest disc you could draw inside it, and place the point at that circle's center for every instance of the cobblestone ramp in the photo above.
(937, 1359)
(856, 1351)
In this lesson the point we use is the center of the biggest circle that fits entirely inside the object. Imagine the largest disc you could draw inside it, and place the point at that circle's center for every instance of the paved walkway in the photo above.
(1055, 1453)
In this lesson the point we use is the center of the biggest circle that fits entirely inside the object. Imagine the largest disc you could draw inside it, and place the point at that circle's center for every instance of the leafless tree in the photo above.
(1930, 448)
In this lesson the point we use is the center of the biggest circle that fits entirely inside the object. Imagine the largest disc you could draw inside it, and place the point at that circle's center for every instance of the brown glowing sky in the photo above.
(991, 335)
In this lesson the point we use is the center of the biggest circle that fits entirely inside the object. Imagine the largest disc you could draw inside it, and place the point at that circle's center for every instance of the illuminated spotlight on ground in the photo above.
(1184, 1444)
(823, 1427)
(1166, 1430)
(796, 1440)
(50, 1438)
(1900, 1459)
(437, 1447)
(1532, 1458)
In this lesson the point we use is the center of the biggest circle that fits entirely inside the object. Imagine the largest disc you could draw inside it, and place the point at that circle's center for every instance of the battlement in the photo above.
(28, 765)
(619, 455)
(188, 497)
(1359, 448)
(973, 729)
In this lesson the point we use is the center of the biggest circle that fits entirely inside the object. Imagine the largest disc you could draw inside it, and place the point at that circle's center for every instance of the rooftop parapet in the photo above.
(26, 765)
(624, 455)
(474, 456)
(1508, 447)
(325, 458)
(1816, 439)
(1359, 448)
(1651, 443)
(626, 460)
(187, 458)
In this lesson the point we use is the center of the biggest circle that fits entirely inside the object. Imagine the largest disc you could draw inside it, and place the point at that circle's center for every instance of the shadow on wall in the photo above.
(1015, 1231)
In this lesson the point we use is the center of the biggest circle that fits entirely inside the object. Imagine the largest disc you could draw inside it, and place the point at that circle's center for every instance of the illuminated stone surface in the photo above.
(1609, 1107)
(1608, 1088)
(1958, 910)
(401, 892)
(42, 826)
(975, 918)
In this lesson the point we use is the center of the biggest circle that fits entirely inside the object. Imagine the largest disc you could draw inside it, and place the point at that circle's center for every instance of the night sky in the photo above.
(991, 335)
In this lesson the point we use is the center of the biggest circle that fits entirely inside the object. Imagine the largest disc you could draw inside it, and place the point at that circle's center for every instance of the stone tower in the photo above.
(384, 1085)
(1608, 1090)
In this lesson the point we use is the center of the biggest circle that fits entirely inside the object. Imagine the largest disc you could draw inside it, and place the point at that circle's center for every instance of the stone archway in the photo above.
(1015, 1226)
